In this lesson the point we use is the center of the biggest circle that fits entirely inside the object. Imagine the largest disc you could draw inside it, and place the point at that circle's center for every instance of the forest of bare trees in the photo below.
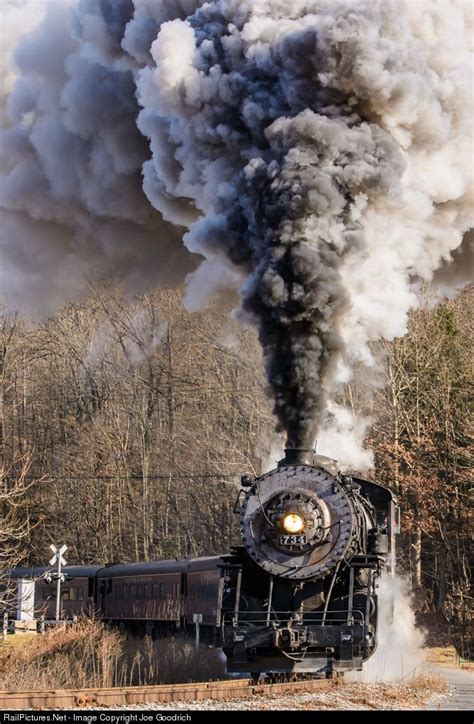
(125, 424)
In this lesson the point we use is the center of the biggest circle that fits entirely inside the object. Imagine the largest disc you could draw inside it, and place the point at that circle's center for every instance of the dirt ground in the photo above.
(460, 693)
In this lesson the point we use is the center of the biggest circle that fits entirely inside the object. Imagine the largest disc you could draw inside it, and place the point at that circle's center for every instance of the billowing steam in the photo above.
(399, 655)
(316, 153)
(71, 159)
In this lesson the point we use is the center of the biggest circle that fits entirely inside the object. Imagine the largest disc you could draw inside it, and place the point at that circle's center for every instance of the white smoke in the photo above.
(399, 654)
(18, 18)
(315, 155)
(71, 155)
(269, 455)
(342, 438)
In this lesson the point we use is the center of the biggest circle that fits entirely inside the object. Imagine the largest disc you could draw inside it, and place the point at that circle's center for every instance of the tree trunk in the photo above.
(441, 579)
(416, 547)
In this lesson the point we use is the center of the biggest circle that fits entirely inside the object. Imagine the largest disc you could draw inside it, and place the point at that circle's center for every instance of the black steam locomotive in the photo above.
(300, 595)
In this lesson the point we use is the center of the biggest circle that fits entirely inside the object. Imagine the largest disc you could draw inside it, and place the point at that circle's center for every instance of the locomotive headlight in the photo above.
(293, 523)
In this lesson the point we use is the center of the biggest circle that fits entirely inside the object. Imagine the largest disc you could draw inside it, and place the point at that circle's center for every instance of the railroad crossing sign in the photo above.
(58, 555)
(60, 561)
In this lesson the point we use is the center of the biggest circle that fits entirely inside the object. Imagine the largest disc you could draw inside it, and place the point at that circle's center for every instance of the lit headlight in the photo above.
(293, 523)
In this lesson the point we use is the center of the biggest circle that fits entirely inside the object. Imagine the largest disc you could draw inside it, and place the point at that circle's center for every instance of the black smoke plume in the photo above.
(313, 154)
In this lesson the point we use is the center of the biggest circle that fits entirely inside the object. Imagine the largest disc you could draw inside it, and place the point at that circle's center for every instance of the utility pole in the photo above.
(60, 561)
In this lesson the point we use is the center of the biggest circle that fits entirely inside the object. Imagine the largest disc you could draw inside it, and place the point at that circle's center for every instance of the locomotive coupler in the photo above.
(290, 638)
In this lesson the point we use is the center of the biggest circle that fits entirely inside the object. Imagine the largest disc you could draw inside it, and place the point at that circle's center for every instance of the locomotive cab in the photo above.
(299, 596)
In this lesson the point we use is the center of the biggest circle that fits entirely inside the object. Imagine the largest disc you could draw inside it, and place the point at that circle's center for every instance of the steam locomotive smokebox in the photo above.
(297, 520)
(297, 456)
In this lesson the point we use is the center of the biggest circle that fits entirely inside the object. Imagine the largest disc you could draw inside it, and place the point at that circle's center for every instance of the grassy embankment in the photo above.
(93, 655)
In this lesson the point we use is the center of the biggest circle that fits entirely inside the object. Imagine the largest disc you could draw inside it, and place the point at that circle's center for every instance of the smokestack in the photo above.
(298, 456)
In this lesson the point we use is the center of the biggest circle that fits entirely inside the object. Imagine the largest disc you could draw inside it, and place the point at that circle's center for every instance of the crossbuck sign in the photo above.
(58, 555)
(60, 561)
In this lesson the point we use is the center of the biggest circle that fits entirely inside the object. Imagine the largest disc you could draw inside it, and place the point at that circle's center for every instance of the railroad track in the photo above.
(163, 694)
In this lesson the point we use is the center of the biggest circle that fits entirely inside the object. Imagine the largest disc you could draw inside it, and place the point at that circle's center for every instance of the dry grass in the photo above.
(429, 683)
(92, 655)
(80, 656)
(15, 640)
(447, 656)
(443, 655)
(400, 694)
(172, 661)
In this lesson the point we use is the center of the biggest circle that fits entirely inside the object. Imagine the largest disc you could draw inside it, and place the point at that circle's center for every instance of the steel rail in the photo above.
(162, 694)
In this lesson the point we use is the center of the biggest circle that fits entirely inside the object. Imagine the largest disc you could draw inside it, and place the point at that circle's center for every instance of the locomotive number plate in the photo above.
(293, 540)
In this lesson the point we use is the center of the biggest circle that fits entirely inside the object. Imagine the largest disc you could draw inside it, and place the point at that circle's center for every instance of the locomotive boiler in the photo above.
(299, 596)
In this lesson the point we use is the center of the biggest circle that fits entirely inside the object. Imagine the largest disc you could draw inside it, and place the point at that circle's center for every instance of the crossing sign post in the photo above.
(60, 561)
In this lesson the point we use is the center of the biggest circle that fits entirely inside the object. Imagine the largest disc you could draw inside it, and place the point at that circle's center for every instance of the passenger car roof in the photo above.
(147, 568)
(37, 571)
(170, 566)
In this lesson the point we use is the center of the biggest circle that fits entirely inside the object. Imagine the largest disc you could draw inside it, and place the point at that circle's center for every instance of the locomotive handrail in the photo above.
(356, 616)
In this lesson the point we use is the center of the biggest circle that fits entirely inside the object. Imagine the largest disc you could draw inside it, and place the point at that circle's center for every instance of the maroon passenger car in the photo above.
(159, 595)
